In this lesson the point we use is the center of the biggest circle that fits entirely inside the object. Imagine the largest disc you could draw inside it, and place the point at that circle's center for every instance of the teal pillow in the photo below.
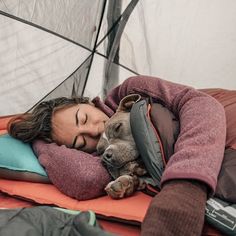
(16, 155)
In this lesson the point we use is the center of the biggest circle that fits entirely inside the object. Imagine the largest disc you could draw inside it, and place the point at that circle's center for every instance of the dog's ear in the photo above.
(127, 102)
(102, 145)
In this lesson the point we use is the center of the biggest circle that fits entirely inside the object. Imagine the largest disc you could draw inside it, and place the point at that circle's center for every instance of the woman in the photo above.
(191, 173)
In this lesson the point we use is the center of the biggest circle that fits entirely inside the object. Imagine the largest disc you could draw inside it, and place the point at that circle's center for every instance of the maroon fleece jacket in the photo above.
(199, 149)
(179, 207)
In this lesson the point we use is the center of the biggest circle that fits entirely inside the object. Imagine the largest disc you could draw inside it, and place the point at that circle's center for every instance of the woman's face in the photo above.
(79, 126)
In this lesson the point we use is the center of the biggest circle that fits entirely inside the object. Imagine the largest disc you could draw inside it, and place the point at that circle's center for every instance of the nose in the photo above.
(107, 155)
(91, 130)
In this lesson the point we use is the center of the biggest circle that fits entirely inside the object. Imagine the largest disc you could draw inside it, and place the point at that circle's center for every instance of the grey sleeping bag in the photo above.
(155, 131)
(42, 220)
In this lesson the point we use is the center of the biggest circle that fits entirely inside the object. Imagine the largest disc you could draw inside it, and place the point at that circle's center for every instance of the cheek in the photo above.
(62, 135)
(62, 132)
(61, 139)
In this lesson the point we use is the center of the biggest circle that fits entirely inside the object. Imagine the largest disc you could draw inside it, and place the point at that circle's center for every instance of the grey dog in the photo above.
(120, 154)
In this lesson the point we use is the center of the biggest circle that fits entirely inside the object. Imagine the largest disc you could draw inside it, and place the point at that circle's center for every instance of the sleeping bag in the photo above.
(45, 220)
(155, 130)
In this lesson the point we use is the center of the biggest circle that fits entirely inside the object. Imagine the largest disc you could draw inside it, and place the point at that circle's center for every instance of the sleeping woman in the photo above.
(190, 176)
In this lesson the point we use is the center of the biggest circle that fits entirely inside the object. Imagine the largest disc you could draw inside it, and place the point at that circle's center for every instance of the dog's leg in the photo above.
(124, 186)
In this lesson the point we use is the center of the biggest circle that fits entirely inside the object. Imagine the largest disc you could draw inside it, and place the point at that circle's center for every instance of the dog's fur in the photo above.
(119, 152)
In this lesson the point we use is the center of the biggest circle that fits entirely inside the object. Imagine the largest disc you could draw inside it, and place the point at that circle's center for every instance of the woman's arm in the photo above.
(193, 168)
(199, 149)
(177, 210)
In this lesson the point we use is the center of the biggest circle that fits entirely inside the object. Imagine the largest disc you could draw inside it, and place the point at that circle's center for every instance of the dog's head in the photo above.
(117, 145)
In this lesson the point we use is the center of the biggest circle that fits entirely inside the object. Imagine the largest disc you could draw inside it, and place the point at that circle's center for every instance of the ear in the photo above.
(127, 102)
(102, 145)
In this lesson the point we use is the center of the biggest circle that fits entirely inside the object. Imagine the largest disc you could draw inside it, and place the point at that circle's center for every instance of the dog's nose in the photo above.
(107, 155)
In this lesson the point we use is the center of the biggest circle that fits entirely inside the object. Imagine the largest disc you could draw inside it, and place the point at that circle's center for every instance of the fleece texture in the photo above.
(199, 149)
(77, 174)
(177, 210)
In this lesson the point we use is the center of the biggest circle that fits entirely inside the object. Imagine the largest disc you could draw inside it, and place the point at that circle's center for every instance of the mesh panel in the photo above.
(74, 19)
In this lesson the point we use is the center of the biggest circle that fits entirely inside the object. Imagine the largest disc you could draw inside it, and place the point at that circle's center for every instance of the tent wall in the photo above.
(186, 41)
(42, 44)
(54, 48)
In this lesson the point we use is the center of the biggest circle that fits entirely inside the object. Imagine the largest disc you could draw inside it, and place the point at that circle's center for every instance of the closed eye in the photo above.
(77, 140)
(117, 127)
(84, 144)
(86, 118)
(76, 117)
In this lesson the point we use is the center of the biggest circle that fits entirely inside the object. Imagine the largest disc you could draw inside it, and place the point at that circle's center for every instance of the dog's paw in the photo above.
(121, 187)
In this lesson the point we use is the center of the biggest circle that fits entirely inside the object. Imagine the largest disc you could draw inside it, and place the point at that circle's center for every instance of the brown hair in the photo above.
(37, 124)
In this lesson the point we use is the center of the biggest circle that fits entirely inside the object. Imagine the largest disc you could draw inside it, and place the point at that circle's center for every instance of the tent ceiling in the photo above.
(56, 46)
(34, 63)
(191, 42)
(76, 20)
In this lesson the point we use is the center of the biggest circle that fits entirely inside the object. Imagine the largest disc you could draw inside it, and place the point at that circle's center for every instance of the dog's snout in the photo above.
(107, 155)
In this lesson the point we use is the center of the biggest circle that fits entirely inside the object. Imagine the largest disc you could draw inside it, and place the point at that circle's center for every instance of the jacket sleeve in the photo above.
(177, 210)
(199, 149)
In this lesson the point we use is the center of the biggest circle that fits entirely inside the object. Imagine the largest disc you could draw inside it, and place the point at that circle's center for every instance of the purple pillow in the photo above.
(75, 173)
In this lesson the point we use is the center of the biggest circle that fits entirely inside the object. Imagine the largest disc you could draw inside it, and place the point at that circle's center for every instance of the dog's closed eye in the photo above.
(117, 127)
(102, 145)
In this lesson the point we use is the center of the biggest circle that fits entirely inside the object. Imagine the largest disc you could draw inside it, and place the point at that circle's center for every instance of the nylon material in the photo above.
(149, 148)
(94, 84)
(32, 63)
(104, 26)
(76, 20)
(156, 135)
(113, 52)
(9, 6)
(153, 167)
(73, 86)
(190, 42)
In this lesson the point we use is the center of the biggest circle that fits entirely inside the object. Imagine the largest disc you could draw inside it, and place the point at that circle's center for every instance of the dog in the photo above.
(119, 152)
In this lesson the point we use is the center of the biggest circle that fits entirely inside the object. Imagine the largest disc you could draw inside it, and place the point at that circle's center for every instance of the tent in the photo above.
(51, 48)
(78, 47)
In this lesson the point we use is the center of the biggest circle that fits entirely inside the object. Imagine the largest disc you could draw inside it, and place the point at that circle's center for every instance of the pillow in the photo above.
(77, 174)
(18, 161)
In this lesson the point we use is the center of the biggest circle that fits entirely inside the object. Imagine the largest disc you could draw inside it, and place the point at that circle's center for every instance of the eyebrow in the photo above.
(76, 122)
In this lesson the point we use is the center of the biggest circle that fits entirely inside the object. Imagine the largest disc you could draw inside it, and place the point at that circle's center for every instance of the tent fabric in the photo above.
(190, 42)
(25, 69)
(54, 48)
(63, 47)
